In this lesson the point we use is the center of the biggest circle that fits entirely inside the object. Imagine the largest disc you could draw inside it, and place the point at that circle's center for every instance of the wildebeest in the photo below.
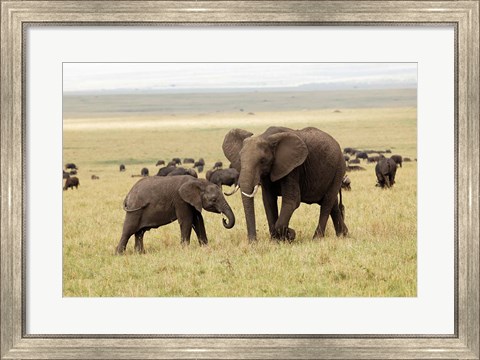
(407, 159)
(354, 168)
(73, 172)
(164, 171)
(346, 157)
(349, 150)
(221, 177)
(188, 161)
(177, 161)
(122, 167)
(200, 168)
(373, 159)
(218, 165)
(200, 162)
(71, 182)
(71, 166)
(398, 159)
(66, 175)
(160, 162)
(95, 177)
(354, 161)
(361, 155)
(144, 172)
(385, 171)
(171, 163)
(182, 171)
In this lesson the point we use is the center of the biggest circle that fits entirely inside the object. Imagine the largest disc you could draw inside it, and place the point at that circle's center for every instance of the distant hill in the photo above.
(173, 103)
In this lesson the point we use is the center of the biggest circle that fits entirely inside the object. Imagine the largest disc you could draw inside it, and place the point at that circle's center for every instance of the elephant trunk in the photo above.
(248, 188)
(227, 211)
(249, 208)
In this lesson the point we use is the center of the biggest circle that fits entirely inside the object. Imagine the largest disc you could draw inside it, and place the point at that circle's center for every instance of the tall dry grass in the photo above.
(377, 258)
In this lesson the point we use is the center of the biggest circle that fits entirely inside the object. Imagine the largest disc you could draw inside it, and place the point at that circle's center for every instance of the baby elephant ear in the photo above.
(289, 152)
(191, 192)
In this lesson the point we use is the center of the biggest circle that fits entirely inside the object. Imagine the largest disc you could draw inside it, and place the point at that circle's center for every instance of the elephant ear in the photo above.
(233, 143)
(191, 192)
(289, 152)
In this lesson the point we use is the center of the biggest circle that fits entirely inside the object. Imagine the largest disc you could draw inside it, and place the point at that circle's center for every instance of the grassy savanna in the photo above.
(377, 258)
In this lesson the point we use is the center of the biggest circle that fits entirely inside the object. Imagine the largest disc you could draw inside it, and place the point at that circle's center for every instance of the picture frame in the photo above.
(17, 15)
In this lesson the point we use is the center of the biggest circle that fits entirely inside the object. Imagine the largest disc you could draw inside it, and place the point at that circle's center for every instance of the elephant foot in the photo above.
(119, 250)
(140, 251)
(283, 234)
(318, 234)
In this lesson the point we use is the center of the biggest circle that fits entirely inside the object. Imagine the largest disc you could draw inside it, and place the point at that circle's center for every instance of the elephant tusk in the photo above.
(255, 189)
(234, 191)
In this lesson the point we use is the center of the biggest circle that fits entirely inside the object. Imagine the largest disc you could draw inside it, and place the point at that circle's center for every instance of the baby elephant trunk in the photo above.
(227, 211)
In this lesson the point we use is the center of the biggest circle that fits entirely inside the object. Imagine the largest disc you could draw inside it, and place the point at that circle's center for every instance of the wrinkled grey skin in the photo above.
(156, 201)
(299, 165)
(385, 171)
(221, 177)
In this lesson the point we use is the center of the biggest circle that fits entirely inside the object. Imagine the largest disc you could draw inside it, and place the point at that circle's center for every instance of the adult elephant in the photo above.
(299, 165)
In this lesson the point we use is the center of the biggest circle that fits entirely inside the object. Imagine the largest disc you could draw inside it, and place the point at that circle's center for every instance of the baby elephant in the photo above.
(156, 201)
(71, 182)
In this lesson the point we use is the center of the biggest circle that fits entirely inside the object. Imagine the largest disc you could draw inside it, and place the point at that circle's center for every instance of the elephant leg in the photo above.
(326, 208)
(338, 220)
(186, 229)
(199, 228)
(139, 242)
(290, 202)
(129, 228)
(271, 210)
(387, 181)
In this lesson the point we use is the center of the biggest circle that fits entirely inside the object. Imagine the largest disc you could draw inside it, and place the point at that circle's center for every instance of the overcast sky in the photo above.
(182, 76)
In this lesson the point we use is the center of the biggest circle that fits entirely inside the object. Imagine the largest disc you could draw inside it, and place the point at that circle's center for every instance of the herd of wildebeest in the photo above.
(304, 165)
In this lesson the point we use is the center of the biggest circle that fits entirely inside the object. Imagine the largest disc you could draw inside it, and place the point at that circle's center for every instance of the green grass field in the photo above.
(378, 258)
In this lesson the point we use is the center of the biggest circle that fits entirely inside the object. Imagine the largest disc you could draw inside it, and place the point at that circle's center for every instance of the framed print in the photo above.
(368, 109)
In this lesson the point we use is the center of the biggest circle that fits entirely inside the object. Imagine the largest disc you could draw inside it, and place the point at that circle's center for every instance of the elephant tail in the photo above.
(133, 210)
(340, 204)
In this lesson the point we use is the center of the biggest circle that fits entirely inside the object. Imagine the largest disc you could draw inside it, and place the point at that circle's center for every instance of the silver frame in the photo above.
(16, 15)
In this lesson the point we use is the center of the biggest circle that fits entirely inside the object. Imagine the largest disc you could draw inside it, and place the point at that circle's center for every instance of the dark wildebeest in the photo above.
(144, 172)
(188, 161)
(218, 165)
(200, 162)
(221, 177)
(122, 167)
(95, 177)
(349, 150)
(361, 155)
(166, 170)
(73, 172)
(171, 163)
(71, 182)
(160, 162)
(398, 159)
(200, 168)
(346, 157)
(354, 161)
(71, 166)
(66, 175)
(182, 171)
(177, 161)
(407, 159)
(385, 171)
(354, 168)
